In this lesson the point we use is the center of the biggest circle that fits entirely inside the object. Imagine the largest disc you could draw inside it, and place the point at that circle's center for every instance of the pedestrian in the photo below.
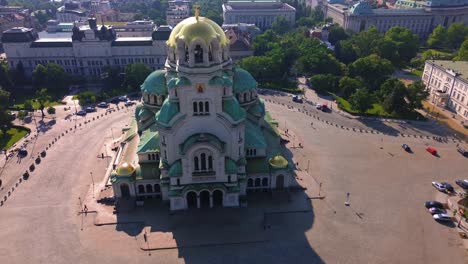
(102, 155)
(311, 123)
(85, 208)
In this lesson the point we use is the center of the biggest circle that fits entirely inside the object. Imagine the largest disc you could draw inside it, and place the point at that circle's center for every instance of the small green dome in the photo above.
(155, 83)
(125, 169)
(243, 81)
(278, 162)
(202, 28)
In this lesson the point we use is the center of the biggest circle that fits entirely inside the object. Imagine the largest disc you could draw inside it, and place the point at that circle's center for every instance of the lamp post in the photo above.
(92, 179)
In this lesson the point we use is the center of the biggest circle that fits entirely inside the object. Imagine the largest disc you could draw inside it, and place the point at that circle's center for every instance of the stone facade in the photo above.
(447, 82)
(262, 13)
(201, 137)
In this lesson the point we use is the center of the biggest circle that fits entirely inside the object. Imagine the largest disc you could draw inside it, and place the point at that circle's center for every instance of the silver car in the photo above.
(442, 217)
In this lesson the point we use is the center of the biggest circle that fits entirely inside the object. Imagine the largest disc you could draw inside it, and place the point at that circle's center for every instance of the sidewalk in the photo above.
(445, 117)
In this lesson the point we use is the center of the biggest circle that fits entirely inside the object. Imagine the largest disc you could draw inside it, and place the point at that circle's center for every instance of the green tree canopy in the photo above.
(323, 83)
(135, 75)
(53, 77)
(417, 92)
(43, 98)
(261, 67)
(348, 86)
(5, 118)
(336, 34)
(456, 34)
(280, 25)
(438, 38)
(373, 70)
(361, 100)
(407, 43)
(463, 51)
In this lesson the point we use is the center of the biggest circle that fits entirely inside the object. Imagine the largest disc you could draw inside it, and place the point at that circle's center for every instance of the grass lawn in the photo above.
(12, 136)
(376, 110)
(417, 72)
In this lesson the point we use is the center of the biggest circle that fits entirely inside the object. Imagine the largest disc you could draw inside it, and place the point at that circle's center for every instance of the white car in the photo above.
(439, 186)
(442, 217)
(435, 210)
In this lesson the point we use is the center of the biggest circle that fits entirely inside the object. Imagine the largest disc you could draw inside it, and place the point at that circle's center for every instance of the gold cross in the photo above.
(197, 10)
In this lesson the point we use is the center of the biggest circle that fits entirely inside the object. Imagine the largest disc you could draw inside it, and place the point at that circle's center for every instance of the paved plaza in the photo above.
(386, 221)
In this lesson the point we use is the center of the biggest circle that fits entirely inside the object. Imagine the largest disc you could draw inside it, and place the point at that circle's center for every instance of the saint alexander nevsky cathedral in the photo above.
(201, 137)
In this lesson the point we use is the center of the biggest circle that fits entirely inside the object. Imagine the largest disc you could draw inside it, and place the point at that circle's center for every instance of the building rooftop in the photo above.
(459, 68)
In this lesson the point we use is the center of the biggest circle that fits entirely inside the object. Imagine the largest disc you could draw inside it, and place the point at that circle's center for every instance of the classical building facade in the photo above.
(87, 51)
(447, 82)
(177, 11)
(261, 13)
(420, 20)
(201, 137)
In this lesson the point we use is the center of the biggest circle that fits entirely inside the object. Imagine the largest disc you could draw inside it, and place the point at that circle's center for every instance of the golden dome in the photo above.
(125, 169)
(202, 28)
(278, 161)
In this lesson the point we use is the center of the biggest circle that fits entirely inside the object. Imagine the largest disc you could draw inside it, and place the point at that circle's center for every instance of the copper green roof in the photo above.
(168, 111)
(131, 132)
(201, 138)
(138, 109)
(232, 107)
(243, 81)
(191, 29)
(257, 165)
(278, 162)
(176, 169)
(178, 81)
(230, 166)
(258, 109)
(254, 136)
(218, 80)
(155, 83)
(149, 141)
(145, 114)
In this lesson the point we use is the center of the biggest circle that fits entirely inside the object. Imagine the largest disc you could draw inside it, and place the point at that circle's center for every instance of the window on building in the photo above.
(201, 108)
(203, 161)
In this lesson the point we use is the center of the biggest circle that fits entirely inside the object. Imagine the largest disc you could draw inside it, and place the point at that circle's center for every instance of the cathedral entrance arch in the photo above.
(192, 200)
(218, 198)
(280, 182)
(124, 190)
(205, 199)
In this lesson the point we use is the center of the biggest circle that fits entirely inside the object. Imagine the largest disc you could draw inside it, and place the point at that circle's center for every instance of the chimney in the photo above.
(92, 23)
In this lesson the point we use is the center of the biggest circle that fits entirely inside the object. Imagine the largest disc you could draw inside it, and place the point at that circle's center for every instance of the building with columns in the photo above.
(420, 20)
(201, 137)
(262, 13)
(447, 83)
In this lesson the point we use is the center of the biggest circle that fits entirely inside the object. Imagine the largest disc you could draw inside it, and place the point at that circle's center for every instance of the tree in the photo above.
(112, 78)
(438, 37)
(361, 100)
(407, 43)
(323, 83)
(52, 76)
(417, 92)
(265, 42)
(395, 101)
(39, 76)
(261, 68)
(280, 25)
(348, 86)
(43, 98)
(307, 22)
(51, 110)
(5, 117)
(456, 33)
(135, 75)
(388, 49)
(5, 77)
(345, 51)
(373, 70)
(387, 88)
(463, 51)
(365, 41)
(336, 34)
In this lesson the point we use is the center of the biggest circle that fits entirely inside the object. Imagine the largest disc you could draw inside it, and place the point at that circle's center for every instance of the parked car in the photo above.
(430, 204)
(123, 98)
(103, 105)
(462, 183)
(115, 100)
(431, 150)
(448, 187)
(442, 217)
(129, 103)
(406, 147)
(319, 106)
(81, 113)
(435, 210)
(462, 151)
(22, 152)
(297, 99)
(439, 186)
(90, 109)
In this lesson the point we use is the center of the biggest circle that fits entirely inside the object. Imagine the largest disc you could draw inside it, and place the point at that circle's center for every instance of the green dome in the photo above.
(278, 162)
(145, 114)
(155, 83)
(202, 28)
(243, 81)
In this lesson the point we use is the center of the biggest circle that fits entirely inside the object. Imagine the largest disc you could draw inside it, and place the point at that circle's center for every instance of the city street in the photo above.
(386, 221)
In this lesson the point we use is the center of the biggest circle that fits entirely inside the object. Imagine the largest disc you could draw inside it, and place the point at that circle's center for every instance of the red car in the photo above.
(431, 150)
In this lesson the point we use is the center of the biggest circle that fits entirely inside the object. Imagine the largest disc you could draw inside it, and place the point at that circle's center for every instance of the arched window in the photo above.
(229, 178)
(245, 97)
(186, 54)
(149, 156)
(203, 161)
(250, 183)
(195, 107)
(257, 182)
(210, 54)
(153, 157)
(141, 189)
(200, 107)
(207, 107)
(195, 162)
(210, 163)
(149, 188)
(157, 156)
(157, 188)
(265, 182)
(198, 54)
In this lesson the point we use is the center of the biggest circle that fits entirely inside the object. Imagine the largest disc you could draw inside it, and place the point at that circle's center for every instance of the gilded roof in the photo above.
(191, 29)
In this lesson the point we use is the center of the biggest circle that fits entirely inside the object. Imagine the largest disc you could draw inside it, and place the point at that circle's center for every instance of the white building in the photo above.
(202, 137)
(177, 11)
(447, 82)
(360, 16)
(262, 13)
(71, 12)
(87, 52)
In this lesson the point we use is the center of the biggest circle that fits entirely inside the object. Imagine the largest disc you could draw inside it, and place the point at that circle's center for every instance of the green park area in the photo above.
(12, 135)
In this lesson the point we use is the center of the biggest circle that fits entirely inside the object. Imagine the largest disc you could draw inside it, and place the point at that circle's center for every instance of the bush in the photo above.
(51, 110)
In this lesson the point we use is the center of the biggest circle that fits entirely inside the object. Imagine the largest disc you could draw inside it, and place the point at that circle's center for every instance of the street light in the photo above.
(92, 179)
